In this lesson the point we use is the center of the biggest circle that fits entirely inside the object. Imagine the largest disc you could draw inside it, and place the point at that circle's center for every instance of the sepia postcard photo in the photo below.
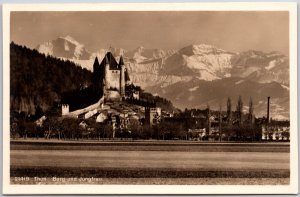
(159, 98)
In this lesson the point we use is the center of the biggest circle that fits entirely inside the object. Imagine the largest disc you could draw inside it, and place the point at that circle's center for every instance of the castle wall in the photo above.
(112, 95)
(74, 114)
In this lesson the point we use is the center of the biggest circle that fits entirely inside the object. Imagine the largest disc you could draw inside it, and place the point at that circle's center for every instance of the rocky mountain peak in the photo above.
(201, 49)
(71, 40)
(65, 47)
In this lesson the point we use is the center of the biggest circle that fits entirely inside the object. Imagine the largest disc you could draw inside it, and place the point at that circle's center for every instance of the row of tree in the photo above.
(239, 112)
(75, 129)
(236, 126)
(167, 129)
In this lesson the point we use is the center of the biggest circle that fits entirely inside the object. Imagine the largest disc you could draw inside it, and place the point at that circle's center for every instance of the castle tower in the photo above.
(107, 73)
(122, 77)
(152, 114)
(111, 76)
(127, 79)
(65, 109)
(96, 72)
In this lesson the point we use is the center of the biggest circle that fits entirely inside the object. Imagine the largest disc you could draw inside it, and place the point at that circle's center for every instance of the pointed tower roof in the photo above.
(105, 60)
(121, 62)
(109, 59)
(96, 62)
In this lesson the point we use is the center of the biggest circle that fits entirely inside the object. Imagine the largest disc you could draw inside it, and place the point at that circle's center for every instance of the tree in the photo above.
(251, 118)
(14, 130)
(285, 135)
(147, 132)
(208, 119)
(250, 115)
(135, 128)
(52, 127)
(239, 109)
(220, 122)
(108, 130)
(98, 129)
(69, 126)
(229, 111)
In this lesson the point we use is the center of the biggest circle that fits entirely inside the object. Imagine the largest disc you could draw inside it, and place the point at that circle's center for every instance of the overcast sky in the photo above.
(232, 31)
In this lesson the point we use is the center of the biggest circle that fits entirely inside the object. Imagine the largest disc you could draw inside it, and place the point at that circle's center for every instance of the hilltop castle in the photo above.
(111, 77)
(111, 81)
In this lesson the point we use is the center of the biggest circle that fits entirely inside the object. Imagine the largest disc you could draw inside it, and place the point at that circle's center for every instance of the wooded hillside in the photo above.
(39, 81)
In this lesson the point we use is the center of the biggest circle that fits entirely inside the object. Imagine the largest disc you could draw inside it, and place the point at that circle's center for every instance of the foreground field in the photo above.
(144, 163)
(150, 159)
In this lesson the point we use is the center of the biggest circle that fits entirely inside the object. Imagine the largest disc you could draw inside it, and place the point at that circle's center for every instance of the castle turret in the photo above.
(107, 73)
(122, 77)
(65, 109)
(127, 79)
(96, 65)
(96, 72)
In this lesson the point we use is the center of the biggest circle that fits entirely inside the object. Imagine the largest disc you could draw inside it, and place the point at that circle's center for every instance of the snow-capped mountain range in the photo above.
(160, 71)
(65, 47)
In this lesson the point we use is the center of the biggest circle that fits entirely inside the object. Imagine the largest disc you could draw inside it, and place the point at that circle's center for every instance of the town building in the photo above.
(152, 115)
(272, 132)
